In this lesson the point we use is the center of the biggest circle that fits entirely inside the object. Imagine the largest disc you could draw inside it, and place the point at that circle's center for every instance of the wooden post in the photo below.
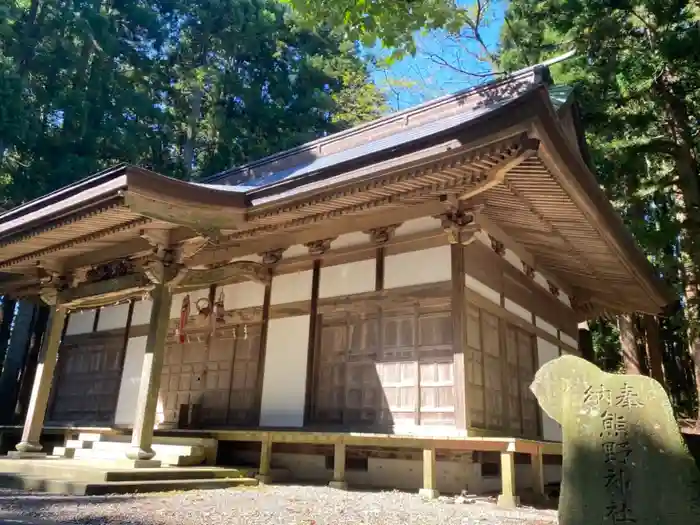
(264, 475)
(429, 490)
(459, 337)
(142, 436)
(537, 466)
(339, 468)
(507, 497)
(31, 434)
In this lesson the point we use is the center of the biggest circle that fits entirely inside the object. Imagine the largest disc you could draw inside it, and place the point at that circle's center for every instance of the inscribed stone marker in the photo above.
(625, 462)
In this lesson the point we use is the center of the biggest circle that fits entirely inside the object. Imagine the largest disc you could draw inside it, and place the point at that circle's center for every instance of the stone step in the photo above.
(86, 488)
(63, 452)
(174, 473)
(77, 443)
(158, 448)
(157, 440)
(119, 454)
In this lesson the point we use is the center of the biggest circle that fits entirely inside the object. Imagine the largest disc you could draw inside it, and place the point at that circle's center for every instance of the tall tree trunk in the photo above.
(653, 348)
(631, 355)
(192, 126)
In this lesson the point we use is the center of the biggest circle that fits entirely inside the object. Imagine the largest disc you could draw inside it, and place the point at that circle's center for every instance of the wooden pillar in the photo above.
(459, 336)
(507, 497)
(339, 468)
(264, 474)
(429, 490)
(537, 467)
(34, 422)
(142, 436)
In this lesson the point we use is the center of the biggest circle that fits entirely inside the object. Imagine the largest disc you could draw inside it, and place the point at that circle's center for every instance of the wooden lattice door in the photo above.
(88, 375)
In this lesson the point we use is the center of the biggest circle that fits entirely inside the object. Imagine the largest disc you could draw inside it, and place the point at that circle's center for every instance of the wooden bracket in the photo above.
(527, 148)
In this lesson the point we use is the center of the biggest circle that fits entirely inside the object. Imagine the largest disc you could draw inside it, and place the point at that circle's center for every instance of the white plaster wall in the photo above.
(142, 313)
(348, 279)
(566, 338)
(350, 239)
(523, 478)
(131, 378)
(298, 250)
(291, 287)
(485, 291)
(546, 351)
(517, 310)
(284, 382)
(565, 299)
(452, 476)
(541, 323)
(513, 259)
(422, 224)
(112, 317)
(80, 322)
(195, 295)
(242, 295)
(541, 280)
(420, 267)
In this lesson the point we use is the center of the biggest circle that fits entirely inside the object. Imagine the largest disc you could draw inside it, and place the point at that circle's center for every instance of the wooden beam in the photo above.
(312, 354)
(497, 174)
(459, 336)
(339, 467)
(92, 295)
(232, 272)
(264, 473)
(429, 488)
(507, 497)
(329, 228)
(537, 473)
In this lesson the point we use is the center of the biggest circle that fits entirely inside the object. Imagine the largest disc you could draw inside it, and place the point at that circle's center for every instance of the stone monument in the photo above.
(625, 461)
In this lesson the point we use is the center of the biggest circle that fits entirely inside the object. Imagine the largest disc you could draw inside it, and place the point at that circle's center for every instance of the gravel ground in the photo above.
(269, 505)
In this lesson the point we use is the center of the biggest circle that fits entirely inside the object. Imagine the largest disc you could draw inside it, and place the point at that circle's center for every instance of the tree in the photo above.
(185, 88)
(639, 85)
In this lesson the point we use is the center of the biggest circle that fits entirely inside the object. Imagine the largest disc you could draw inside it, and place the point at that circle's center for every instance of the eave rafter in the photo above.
(54, 249)
(401, 187)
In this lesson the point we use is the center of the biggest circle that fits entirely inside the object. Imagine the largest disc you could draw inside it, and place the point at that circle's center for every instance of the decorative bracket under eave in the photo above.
(225, 274)
(459, 223)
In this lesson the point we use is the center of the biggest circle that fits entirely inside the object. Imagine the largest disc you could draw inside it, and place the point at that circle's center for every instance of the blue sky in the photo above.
(434, 70)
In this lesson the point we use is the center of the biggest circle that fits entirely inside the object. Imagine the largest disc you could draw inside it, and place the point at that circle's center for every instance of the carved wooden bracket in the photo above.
(52, 286)
(497, 246)
(318, 248)
(272, 257)
(226, 273)
(381, 235)
(528, 270)
(553, 288)
(460, 226)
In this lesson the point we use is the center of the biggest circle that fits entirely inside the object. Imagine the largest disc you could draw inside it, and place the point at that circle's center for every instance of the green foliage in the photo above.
(186, 88)
(637, 73)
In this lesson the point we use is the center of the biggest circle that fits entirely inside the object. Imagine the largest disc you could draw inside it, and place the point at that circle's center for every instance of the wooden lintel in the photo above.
(232, 272)
(91, 295)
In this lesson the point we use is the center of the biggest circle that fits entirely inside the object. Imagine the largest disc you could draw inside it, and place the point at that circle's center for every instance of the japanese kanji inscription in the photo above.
(625, 461)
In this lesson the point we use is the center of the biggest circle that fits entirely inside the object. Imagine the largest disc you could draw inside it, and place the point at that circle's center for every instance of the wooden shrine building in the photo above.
(369, 307)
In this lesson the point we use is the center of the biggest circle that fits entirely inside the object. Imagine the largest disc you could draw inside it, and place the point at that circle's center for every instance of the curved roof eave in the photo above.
(144, 192)
(583, 188)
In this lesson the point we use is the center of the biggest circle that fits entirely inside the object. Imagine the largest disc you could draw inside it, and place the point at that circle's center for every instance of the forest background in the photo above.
(189, 88)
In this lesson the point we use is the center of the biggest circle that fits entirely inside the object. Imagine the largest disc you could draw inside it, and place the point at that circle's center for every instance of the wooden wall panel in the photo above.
(387, 368)
(88, 375)
(500, 370)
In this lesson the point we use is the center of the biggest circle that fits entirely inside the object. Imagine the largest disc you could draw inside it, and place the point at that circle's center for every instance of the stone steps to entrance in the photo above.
(174, 451)
(80, 488)
(82, 477)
